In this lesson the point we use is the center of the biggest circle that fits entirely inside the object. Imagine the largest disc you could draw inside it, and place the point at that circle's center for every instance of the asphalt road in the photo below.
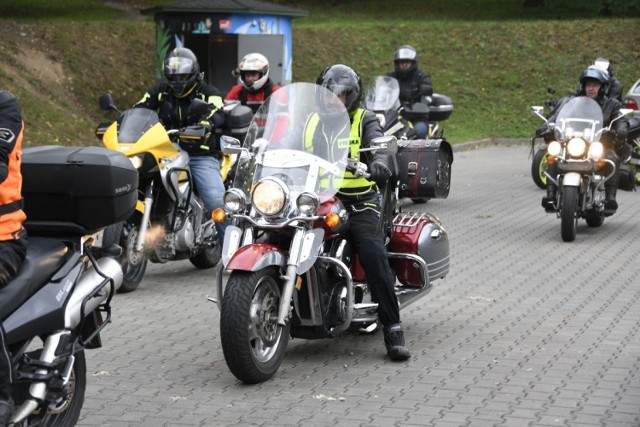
(526, 330)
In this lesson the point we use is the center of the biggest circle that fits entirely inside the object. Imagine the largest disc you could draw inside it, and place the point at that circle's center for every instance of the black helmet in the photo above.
(595, 73)
(182, 71)
(405, 53)
(341, 79)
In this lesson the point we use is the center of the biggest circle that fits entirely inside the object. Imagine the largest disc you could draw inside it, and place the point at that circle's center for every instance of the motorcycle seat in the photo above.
(44, 257)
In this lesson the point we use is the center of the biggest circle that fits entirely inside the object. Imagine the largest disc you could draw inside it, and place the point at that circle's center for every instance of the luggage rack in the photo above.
(410, 219)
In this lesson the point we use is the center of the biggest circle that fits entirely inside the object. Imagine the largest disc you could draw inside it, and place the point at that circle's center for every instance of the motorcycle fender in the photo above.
(572, 179)
(256, 257)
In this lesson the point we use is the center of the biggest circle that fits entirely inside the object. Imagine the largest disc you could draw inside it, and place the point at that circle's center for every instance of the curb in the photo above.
(471, 145)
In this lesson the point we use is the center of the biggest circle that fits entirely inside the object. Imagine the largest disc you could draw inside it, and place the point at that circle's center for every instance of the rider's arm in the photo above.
(425, 85)
(10, 128)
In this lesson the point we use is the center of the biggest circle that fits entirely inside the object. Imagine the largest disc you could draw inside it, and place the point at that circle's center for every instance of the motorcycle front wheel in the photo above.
(538, 168)
(133, 262)
(569, 220)
(252, 341)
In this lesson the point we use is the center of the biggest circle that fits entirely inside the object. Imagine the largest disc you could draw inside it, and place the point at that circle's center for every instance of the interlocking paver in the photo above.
(526, 330)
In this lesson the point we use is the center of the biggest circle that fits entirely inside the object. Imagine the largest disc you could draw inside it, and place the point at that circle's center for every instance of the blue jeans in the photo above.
(205, 171)
(421, 128)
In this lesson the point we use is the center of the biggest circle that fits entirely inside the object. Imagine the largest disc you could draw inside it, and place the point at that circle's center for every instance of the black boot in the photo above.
(549, 201)
(394, 341)
(610, 204)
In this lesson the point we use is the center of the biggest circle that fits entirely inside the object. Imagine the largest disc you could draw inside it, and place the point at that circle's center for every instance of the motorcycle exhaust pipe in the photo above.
(90, 280)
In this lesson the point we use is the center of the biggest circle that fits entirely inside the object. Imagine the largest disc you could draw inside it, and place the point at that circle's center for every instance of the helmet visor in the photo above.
(178, 65)
(406, 54)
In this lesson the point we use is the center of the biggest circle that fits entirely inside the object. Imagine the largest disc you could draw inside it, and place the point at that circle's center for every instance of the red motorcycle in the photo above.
(290, 269)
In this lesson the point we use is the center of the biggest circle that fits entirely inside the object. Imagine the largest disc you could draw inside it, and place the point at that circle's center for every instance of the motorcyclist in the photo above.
(183, 82)
(362, 198)
(255, 84)
(415, 84)
(13, 237)
(615, 87)
(594, 84)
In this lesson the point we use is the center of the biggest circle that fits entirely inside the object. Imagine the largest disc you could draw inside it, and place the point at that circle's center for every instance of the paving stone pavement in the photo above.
(526, 330)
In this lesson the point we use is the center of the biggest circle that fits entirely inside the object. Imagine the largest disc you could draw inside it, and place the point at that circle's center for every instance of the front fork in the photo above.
(290, 276)
(144, 225)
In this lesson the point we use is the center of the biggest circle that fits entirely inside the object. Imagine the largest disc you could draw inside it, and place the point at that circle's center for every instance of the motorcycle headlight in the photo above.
(234, 200)
(269, 197)
(307, 203)
(576, 147)
(136, 161)
(554, 148)
(596, 150)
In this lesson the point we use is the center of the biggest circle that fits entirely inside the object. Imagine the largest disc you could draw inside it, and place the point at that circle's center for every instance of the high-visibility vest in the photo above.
(351, 184)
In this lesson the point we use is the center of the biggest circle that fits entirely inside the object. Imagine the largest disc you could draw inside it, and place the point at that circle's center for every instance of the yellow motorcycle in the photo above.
(170, 221)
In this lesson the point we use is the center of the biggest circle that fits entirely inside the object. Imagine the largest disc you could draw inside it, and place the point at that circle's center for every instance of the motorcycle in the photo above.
(382, 98)
(59, 302)
(579, 157)
(170, 222)
(290, 270)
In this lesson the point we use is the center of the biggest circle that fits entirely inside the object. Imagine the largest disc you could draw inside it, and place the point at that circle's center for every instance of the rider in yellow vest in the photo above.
(13, 237)
(362, 197)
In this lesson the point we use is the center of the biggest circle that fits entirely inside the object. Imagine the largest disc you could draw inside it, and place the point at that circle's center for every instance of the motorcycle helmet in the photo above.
(595, 73)
(182, 71)
(254, 62)
(341, 79)
(405, 53)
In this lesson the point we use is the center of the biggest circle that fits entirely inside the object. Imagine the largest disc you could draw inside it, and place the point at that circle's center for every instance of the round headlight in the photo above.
(596, 150)
(136, 161)
(234, 200)
(554, 148)
(307, 203)
(576, 147)
(268, 197)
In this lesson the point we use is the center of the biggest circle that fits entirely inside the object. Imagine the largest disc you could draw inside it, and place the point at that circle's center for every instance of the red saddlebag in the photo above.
(425, 168)
(421, 234)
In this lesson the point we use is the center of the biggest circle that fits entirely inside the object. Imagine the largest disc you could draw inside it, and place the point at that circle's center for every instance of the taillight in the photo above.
(631, 103)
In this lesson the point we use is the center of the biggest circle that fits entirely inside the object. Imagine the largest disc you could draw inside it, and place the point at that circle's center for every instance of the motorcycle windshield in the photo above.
(382, 94)
(299, 136)
(580, 117)
(133, 123)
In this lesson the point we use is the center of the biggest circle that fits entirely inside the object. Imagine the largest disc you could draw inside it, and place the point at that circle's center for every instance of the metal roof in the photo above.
(227, 7)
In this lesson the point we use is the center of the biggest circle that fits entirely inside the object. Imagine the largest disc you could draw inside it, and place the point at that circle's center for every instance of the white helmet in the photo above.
(253, 62)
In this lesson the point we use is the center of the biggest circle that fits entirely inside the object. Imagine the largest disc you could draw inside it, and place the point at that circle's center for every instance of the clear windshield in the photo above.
(382, 94)
(580, 117)
(133, 123)
(300, 135)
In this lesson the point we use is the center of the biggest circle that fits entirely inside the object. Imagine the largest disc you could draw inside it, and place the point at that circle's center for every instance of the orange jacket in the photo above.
(11, 130)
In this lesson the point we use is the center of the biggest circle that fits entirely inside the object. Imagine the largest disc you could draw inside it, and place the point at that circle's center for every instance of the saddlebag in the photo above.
(425, 168)
(421, 234)
(627, 178)
(76, 190)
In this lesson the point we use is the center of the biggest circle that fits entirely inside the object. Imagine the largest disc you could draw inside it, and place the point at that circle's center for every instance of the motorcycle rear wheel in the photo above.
(538, 167)
(569, 220)
(63, 408)
(133, 263)
(252, 341)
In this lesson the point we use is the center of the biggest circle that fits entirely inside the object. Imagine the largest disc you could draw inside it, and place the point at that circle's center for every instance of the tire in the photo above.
(133, 263)
(208, 258)
(419, 201)
(252, 342)
(538, 167)
(62, 407)
(569, 220)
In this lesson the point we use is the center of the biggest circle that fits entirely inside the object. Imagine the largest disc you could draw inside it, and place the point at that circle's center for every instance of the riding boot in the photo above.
(549, 201)
(610, 204)
(394, 341)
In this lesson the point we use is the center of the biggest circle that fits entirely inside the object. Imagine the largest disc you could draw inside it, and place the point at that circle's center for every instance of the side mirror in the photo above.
(384, 145)
(106, 102)
(625, 112)
(230, 145)
(537, 111)
(197, 109)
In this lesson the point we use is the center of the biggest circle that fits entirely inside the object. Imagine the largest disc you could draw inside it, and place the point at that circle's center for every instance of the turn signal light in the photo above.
(218, 215)
(551, 160)
(332, 220)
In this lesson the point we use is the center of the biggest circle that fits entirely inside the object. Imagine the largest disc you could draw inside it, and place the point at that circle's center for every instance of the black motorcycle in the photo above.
(59, 302)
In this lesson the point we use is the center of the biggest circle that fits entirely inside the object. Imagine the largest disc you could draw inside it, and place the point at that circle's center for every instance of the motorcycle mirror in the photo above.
(537, 111)
(106, 102)
(625, 112)
(197, 109)
(230, 145)
(385, 145)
